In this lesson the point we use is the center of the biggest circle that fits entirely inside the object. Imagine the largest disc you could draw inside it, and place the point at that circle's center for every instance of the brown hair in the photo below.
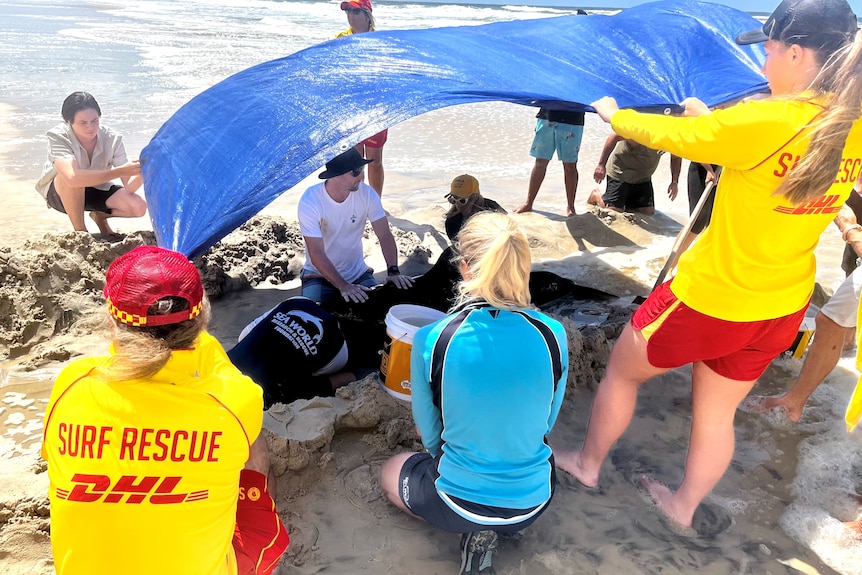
(840, 81)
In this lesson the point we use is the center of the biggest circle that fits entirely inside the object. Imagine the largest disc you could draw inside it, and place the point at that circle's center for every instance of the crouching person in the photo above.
(154, 455)
(492, 362)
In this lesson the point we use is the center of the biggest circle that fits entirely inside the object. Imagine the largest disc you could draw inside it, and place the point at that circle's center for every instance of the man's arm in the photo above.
(78, 177)
(324, 265)
(601, 168)
(675, 168)
(390, 253)
(851, 231)
(133, 183)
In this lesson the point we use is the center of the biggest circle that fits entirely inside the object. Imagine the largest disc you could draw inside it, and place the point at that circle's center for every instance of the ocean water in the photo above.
(143, 59)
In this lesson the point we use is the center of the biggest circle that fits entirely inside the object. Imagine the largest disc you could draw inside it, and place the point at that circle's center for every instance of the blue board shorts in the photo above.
(564, 139)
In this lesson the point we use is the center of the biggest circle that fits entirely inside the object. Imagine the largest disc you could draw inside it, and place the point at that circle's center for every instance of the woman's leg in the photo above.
(714, 400)
(613, 406)
(390, 475)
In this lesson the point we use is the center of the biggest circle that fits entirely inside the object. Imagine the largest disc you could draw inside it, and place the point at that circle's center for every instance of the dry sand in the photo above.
(327, 452)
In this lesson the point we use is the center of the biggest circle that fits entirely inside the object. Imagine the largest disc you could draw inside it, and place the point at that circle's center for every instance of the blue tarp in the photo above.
(234, 148)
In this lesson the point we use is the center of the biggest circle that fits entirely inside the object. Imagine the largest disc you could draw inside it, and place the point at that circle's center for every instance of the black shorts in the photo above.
(629, 197)
(95, 200)
(417, 491)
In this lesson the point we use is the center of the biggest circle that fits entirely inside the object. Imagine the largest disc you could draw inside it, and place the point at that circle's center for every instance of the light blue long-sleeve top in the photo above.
(487, 385)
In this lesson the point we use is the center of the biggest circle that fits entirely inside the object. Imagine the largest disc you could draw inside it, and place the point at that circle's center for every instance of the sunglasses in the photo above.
(357, 171)
(452, 200)
(354, 11)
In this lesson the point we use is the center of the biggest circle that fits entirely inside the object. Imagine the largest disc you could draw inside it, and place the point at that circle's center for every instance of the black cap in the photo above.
(824, 25)
(343, 163)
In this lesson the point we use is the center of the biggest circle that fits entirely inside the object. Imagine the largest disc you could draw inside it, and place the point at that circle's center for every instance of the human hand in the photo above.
(845, 218)
(400, 281)
(355, 293)
(599, 174)
(710, 174)
(129, 169)
(605, 107)
(694, 107)
(672, 190)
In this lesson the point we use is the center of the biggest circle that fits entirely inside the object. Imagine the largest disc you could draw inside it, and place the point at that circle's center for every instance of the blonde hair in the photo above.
(497, 258)
(840, 80)
(141, 352)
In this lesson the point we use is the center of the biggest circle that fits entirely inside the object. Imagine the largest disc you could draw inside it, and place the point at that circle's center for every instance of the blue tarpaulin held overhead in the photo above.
(237, 146)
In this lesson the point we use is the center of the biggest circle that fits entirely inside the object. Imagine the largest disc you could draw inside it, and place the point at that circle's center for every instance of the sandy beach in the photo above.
(774, 511)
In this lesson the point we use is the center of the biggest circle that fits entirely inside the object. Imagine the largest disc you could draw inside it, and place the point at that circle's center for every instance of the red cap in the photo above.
(364, 4)
(143, 276)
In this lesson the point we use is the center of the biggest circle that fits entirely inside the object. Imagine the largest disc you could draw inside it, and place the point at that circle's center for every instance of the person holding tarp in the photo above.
(84, 160)
(481, 474)
(741, 291)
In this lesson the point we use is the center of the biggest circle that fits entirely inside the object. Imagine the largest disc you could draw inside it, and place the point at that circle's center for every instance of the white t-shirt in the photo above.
(341, 226)
(63, 145)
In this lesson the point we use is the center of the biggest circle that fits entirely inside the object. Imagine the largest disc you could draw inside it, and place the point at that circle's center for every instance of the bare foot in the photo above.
(570, 212)
(778, 405)
(662, 497)
(524, 208)
(569, 461)
(855, 526)
(595, 198)
(102, 221)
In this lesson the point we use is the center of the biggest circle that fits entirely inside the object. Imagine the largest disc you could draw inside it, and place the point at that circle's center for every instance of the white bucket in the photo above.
(402, 322)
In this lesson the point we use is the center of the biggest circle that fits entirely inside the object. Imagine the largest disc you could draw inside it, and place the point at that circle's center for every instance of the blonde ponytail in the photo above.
(497, 258)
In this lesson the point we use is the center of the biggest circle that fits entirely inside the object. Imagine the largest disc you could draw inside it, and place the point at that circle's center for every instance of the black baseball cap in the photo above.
(824, 25)
(343, 163)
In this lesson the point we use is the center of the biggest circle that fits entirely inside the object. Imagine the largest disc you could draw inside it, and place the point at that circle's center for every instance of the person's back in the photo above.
(149, 466)
(633, 163)
(290, 350)
(146, 448)
(736, 255)
(511, 380)
(487, 383)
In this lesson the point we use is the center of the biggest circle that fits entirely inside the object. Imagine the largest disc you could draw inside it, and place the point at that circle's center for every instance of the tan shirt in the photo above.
(62, 145)
(632, 163)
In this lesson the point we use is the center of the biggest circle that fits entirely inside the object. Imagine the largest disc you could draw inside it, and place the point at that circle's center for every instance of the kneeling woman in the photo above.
(492, 362)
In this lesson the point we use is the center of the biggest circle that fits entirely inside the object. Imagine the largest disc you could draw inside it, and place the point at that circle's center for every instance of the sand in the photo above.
(327, 452)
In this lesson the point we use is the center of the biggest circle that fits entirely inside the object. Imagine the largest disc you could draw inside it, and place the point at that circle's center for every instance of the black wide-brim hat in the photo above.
(343, 163)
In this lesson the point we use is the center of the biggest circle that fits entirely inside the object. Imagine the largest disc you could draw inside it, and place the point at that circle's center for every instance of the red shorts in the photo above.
(259, 538)
(677, 335)
(376, 141)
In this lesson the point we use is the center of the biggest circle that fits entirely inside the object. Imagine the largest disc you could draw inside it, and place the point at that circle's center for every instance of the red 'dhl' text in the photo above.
(90, 488)
(134, 444)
